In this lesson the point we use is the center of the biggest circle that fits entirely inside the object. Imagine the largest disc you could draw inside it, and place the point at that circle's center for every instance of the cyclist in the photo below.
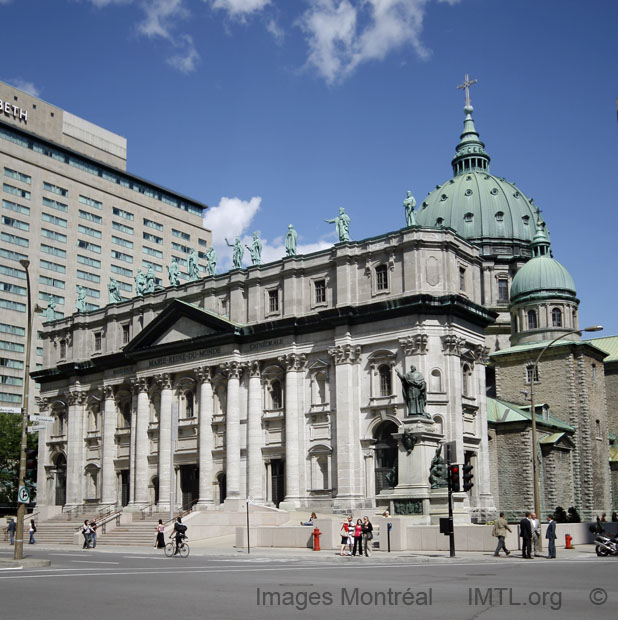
(178, 534)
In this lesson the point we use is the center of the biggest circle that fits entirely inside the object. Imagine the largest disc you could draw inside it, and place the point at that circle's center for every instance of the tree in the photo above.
(573, 516)
(560, 515)
(10, 446)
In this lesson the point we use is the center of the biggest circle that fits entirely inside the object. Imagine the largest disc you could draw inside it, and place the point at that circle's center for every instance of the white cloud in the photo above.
(239, 8)
(277, 32)
(342, 34)
(6, 1)
(25, 85)
(187, 58)
(104, 3)
(161, 17)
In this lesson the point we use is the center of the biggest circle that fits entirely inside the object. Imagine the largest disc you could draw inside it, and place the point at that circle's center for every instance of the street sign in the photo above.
(23, 497)
(35, 417)
(36, 428)
(10, 409)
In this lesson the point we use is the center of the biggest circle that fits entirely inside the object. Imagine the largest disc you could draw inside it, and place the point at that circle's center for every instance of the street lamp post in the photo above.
(535, 370)
(18, 553)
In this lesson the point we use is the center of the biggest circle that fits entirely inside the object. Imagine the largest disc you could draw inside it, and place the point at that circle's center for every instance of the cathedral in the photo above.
(281, 382)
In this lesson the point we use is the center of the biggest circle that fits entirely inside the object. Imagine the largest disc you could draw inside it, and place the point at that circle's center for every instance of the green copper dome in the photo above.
(542, 276)
(479, 206)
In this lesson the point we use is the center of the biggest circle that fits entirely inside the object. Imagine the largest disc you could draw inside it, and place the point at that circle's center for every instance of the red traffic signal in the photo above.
(453, 477)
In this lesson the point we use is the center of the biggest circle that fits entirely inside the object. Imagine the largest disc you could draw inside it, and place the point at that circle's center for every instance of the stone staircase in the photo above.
(137, 533)
(57, 531)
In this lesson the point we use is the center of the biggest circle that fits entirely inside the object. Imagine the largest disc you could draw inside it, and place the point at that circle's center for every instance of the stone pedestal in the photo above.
(438, 500)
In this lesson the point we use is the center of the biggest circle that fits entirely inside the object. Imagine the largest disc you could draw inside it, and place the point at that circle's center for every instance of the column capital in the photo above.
(452, 344)
(254, 367)
(345, 354)
(233, 370)
(415, 344)
(43, 403)
(164, 381)
(480, 353)
(140, 384)
(203, 373)
(76, 397)
(109, 392)
(293, 361)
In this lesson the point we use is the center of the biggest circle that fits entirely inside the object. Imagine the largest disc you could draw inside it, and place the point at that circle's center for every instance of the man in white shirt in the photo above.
(536, 534)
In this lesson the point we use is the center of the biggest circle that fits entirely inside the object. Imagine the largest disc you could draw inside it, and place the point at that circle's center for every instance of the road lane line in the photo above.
(92, 562)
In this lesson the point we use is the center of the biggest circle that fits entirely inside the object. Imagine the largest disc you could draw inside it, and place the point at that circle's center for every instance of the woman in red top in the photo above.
(358, 537)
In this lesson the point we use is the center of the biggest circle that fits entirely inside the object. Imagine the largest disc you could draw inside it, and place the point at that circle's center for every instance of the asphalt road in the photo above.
(106, 585)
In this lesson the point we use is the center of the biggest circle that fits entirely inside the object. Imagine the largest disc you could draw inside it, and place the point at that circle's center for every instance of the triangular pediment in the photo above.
(181, 324)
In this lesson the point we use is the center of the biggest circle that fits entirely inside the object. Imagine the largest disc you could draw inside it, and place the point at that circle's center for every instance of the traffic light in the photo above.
(31, 465)
(468, 477)
(453, 476)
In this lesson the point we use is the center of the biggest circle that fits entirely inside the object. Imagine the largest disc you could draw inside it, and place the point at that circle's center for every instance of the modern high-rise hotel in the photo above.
(70, 207)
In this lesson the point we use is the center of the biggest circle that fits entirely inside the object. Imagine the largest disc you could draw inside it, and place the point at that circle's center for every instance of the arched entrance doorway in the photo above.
(385, 453)
(61, 480)
(222, 487)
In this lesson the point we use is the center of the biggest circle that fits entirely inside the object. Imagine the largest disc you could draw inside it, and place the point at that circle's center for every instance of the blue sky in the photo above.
(275, 112)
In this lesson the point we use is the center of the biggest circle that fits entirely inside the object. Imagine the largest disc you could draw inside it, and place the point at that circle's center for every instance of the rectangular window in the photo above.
(51, 281)
(181, 235)
(50, 296)
(91, 217)
(91, 292)
(152, 238)
(152, 224)
(91, 307)
(127, 273)
(273, 300)
(52, 234)
(152, 251)
(91, 202)
(462, 279)
(10, 398)
(203, 242)
(129, 287)
(7, 304)
(122, 213)
(123, 228)
(9, 363)
(16, 256)
(127, 258)
(55, 189)
(52, 219)
(39, 351)
(320, 291)
(12, 346)
(7, 287)
(86, 230)
(5, 328)
(382, 278)
(183, 262)
(54, 204)
(17, 208)
(148, 263)
(97, 342)
(11, 221)
(86, 260)
(125, 243)
(13, 272)
(86, 245)
(91, 277)
(179, 247)
(14, 239)
(18, 176)
(126, 331)
(529, 373)
(7, 380)
(503, 290)
(48, 249)
(45, 264)
(16, 191)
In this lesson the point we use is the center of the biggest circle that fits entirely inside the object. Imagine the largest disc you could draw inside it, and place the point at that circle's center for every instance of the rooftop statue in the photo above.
(342, 225)
(150, 280)
(140, 283)
(408, 204)
(114, 291)
(211, 261)
(80, 303)
(414, 392)
(194, 269)
(50, 313)
(173, 272)
(255, 249)
(237, 253)
(290, 241)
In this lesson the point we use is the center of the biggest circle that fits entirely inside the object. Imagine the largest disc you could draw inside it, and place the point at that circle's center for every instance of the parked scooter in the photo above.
(604, 545)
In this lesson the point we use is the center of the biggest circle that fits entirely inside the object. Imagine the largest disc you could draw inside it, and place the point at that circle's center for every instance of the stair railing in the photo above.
(146, 510)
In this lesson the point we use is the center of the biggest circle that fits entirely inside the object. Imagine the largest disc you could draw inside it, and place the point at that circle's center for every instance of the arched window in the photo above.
(466, 376)
(125, 413)
(276, 397)
(532, 322)
(435, 381)
(189, 411)
(556, 317)
(381, 278)
(385, 380)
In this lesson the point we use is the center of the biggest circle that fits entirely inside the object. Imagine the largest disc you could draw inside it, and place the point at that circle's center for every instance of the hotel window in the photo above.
(91, 217)
(503, 290)
(125, 243)
(17, 208)
(12, 329)
(12, 346)
(14, 239)
(155, 266)
(50, 296)
(152, 251)
(91, 277)
(556, 317)
(320, 291)
(12, 288)
(123, 228)
(51, 281)
(152, 238)
(86, 230)
(14, 273)
(54, 204)
(10, 398)
(152, 224)
(86, 245)
(129, 287)
(16, 256)
(86, 260)
(532, 321)
(273, 300)
(122, 213)
(12, 305)
(127, 273)
(181, 235)
(53, 235)
(50, 187)
(382, 278)
(91, 202)
(8, 380)
(11, 221)
(91, 307)
(16, 191)
(9, 363)
(52, 219)
(127, 258)
(203, 242)
(179, 247)
(97, 342)
(49, 249)
(18, 176)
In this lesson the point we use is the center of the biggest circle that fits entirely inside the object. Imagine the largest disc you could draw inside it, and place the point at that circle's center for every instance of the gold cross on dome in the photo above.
(466, 86)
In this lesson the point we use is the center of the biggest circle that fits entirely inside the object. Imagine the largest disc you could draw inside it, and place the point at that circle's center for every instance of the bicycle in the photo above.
(181, 549)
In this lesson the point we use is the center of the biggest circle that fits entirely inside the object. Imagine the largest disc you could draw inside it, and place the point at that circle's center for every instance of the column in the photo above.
(205, 439)
(165, 442)
(108, 473)
(232, 431)
(255, 466)
(75, 447)
(141, 418)
(43, 496)
(293, 363)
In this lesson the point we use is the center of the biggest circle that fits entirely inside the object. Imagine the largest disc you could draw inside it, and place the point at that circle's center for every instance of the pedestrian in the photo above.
(525, 531)
(603, 519)
(550, 534)
(93, 533)
(32, 532)
(386, 514)
(351, 529)
(345, 532)
(86, 533)
(11, 527)
(367, 535)
(160, 540)
(311, 519)
(358, 537)
(535, 525)
(501, 527)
